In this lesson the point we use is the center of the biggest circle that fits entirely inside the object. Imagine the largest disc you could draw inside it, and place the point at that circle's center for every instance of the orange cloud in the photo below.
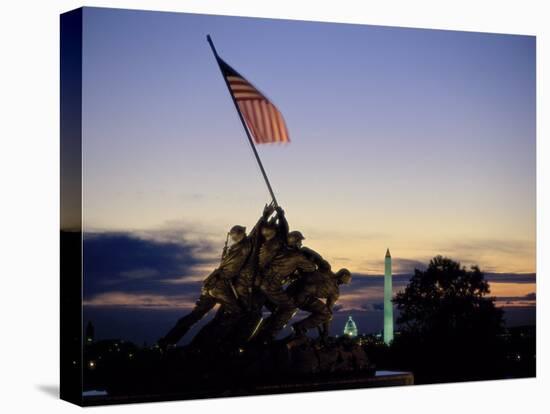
(138, 300)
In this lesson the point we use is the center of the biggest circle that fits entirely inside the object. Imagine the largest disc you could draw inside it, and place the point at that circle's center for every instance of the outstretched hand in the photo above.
(268, 210)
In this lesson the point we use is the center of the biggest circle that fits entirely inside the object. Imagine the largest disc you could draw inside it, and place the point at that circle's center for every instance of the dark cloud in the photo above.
(337, 308)
(364, 279)
(511, 277)
(399, 265)
(123, 262)
(530, 297)
(365, 292)
(407, 265)
(378, 306)
(360, 280)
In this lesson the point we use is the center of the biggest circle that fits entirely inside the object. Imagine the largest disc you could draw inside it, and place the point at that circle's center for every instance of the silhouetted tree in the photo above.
(450, 328)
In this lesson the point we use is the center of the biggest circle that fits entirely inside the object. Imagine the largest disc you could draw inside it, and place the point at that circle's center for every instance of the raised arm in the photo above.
(315, 257)
(268, 210)
(282, 223)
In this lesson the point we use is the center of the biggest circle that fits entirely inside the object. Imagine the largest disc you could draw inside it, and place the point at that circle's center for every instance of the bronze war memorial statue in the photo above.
(264, 278)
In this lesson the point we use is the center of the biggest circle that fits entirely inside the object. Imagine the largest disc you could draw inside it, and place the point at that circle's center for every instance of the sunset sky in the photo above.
(422, 141)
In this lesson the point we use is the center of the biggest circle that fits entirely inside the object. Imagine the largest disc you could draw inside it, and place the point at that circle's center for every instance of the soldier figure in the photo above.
(217, 287)
(246, 279)
(277, 266)
(246, 287)
(294, 247)
(230, 285)
(309, 293)
(294, 242)
(275, 233)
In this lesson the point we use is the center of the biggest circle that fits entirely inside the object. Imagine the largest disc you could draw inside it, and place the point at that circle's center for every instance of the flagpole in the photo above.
(243, 122)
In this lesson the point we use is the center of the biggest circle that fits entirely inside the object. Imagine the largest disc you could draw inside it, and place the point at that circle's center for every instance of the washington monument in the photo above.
(388, 293)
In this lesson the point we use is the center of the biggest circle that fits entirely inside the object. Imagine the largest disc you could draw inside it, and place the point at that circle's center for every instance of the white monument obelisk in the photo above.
(388, 294)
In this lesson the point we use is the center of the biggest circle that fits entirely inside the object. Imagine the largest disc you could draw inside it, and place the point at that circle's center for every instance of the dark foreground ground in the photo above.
(119, 372)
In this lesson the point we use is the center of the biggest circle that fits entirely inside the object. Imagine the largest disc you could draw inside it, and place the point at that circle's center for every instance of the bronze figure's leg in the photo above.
(204, 304)
(244, 291)
(253, 300)
(225, 296)
(217, 334)
(284, 309)
(318, 316)
(229, 313)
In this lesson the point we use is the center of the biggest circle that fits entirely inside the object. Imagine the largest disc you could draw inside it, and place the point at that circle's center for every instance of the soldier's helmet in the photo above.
(238, 229)
(296, 235)
(343, 276)
(269, 230)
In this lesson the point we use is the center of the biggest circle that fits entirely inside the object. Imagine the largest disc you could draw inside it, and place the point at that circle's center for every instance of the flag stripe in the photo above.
(282, 125)
(264, 121)
(274, 125)
(246, 96)
(256, 119)
(244, 106)
(253, 122)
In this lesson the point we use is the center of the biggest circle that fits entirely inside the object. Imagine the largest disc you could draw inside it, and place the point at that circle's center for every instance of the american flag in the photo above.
(264, 121)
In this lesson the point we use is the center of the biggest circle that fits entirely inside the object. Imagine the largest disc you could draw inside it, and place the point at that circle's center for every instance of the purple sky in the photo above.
(418, 140)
